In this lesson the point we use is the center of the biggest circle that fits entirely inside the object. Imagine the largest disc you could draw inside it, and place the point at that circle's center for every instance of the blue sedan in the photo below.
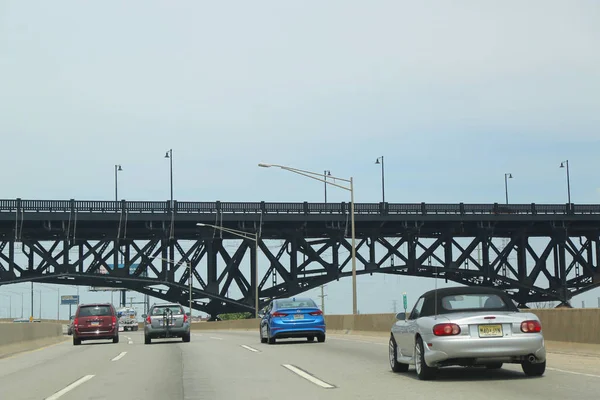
(292, 318)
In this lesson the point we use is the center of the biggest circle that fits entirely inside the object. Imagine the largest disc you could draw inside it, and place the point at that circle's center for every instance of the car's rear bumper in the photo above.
(97, 334)
(164, 332)
(457, 350)
(289, 330)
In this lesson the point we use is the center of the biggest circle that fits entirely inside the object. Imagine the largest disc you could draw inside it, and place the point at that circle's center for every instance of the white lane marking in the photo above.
(117, 358)
(573, 372)
(308, 376)
(216, 338)
(70, 387)
(249, 348)
(130, 342)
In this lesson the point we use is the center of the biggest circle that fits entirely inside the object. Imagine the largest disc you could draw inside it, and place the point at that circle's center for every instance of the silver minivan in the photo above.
(166, 320)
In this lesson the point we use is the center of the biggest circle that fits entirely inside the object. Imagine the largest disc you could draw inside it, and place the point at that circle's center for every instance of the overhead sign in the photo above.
(69, 300)
(132, 268)
(102, 270)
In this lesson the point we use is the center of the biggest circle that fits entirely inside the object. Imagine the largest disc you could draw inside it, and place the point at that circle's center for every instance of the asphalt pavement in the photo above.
(231, 365)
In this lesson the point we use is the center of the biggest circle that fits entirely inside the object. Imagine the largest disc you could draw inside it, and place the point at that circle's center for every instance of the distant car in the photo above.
(166, 320)
(95, 322)
(70, 326)
(466, 326)
(127, 318)
(292, 318)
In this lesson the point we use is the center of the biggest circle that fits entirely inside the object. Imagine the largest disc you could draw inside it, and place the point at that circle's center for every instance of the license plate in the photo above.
(490, 330)
(298, 316)
(95, 324)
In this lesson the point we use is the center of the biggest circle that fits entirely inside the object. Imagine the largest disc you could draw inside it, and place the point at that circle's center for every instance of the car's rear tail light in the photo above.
(531, 326)
(185, 318)
(318, 312)
(148, 319)
(278, 314)
(114, 320)
(76, 322)
(446, 329)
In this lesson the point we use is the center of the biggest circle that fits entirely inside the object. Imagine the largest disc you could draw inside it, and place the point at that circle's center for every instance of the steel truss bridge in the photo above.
(74, 242)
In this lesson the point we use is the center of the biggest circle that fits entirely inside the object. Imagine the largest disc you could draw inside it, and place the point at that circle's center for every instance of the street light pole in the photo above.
(562, 165)
(317, 176)
(382, 178)
(117, 169)
(325, 174)
(506, 178)
(249, 236)
(169, 155)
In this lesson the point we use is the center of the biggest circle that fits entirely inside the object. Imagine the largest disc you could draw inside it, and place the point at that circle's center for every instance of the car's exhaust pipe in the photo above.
(531, 358)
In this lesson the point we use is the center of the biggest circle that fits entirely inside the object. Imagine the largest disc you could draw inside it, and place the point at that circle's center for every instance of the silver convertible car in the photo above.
(466, 326)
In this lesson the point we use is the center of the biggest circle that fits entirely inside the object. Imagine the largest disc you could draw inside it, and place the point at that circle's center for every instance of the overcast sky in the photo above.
(452, 93)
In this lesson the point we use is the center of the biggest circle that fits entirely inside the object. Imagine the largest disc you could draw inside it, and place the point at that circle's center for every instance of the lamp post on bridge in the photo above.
(317, 176)
(249, 236)
(382, 178)
(326, 173)
(118, 169)
(562, 165)
(506, 178)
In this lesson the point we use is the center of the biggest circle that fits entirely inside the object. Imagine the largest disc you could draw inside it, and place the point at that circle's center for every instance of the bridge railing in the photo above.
(305, 208)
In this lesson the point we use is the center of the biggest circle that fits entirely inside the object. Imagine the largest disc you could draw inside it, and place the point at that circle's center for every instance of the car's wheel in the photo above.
(187, 337)
(310, 338)
(321, 338)
(393, 352)
(494, 366)
(270, 340)
(76, 342)
(262, 339)
(424, 372)
(531, 369)
(116, 339)
(147, 339)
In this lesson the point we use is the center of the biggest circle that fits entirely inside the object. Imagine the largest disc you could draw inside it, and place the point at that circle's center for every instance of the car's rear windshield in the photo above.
(296, 303)
(94, 311)
(160, 310)
(475, 302)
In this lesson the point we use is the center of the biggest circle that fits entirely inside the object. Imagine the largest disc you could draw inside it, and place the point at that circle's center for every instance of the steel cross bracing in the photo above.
(75, 242)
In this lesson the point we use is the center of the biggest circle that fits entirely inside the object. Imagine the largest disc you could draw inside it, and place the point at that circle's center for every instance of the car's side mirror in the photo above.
(188, 314)
(144, 316)
(401, 316)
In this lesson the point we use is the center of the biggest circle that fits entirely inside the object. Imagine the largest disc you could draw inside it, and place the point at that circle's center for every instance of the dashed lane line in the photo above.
(72, 386)
(249, 348)
(117, 358)
(573, 372)
(308, 376)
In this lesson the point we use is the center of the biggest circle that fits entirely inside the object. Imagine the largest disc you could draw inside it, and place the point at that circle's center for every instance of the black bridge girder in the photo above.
(301, 246)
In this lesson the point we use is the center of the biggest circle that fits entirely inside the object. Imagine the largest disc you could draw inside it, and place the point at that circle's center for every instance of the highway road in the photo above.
(231, 365)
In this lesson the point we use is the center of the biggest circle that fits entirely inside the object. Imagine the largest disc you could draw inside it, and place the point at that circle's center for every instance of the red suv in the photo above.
(95, 321)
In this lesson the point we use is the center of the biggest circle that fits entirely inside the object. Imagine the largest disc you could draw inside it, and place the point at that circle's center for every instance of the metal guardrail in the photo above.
(305, 208)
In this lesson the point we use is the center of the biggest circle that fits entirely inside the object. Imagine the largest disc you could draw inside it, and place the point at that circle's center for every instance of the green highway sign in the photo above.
(405, 300)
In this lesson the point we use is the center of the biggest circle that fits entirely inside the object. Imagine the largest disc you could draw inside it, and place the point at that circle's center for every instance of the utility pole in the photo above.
(130, 302)
(322, 296)
(395, 302)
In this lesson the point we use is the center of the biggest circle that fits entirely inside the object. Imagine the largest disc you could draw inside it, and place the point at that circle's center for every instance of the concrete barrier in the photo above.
(575, 325)
(18, 337)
